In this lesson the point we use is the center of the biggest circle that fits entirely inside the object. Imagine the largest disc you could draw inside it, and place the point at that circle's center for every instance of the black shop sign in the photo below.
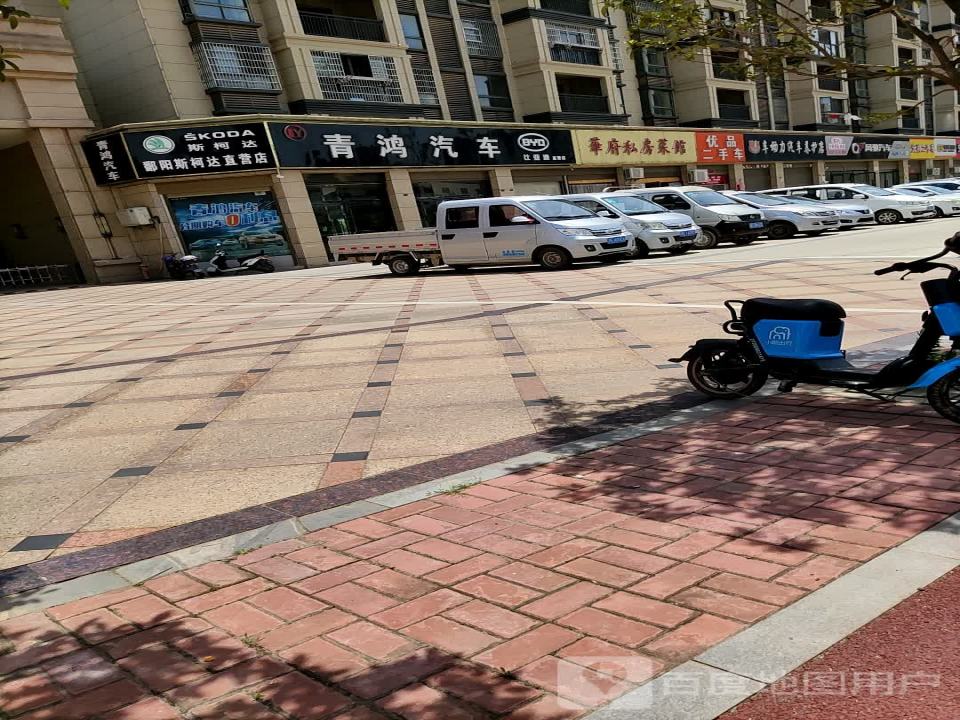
(108, 160)
(318, 145)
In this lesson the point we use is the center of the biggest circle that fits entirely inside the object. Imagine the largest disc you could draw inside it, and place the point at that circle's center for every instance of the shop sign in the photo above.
(108, 160)
(945, 147)
(921, 149)
(635, 147)
(720, 147)
(320, 145)
(240, 224)
(872, 148)
(785, 147)
(178, 151)
(758, 166)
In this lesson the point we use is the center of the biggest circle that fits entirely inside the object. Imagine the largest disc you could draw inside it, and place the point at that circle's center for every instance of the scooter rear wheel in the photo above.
(944, 396)
(725, 374)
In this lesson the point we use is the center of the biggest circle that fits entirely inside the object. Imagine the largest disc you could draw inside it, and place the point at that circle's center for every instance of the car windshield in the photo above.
(871, 190)
(706, 198)
(758, 199)
(915, 191)
(802, 199)
(632, 205)
(928, 188)
(558, 210)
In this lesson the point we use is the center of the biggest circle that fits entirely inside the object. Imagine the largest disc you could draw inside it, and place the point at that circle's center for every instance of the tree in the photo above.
(12, 15)
(779, 38)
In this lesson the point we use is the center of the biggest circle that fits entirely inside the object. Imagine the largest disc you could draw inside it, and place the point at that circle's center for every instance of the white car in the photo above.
(888, 207)
(945, 202)
(850, 215)
(786, 218)
(653, 227)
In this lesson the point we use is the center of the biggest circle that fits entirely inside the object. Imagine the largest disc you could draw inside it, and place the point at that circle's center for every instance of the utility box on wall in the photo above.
(135, 216)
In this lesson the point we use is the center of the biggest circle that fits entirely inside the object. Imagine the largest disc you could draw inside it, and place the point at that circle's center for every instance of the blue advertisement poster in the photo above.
(240, 224)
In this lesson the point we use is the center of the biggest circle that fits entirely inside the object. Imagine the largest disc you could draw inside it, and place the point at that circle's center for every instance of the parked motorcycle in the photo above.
(181, 267)
(220, 264)
(798, 341)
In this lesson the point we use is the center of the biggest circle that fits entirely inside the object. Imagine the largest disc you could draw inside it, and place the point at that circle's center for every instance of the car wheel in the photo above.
(937, 212)
(554, 258)
(403, 265)
(640, 250)
(888, 217)
(708, 238)
(780, 230)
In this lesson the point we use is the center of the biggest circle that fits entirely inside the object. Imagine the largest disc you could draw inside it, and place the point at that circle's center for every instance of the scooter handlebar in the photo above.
(896, 267)
(953, 243)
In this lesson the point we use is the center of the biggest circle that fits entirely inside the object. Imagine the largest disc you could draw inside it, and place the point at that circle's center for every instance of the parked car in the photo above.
(549, 231)
(888, 207)
(785, 218)
(952, 184)
(650, 224)
(850, 214)
(945, 202)
(720, 218)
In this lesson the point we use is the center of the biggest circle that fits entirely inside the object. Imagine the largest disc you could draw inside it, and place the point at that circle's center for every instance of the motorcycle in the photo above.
(181, 267)
(220, 264)
(799, 341)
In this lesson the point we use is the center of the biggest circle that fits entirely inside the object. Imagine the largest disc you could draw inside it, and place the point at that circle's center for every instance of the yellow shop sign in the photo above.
(921, 149)
(634, 147)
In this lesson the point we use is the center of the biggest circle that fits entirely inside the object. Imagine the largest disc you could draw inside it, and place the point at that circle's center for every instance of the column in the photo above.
(777, 175)
(298, 218)
(402, 200)
(820, 171)
(738, 181)
(501, 182)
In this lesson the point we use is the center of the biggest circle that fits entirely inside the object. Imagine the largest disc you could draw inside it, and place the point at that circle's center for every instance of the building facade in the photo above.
(277, 123)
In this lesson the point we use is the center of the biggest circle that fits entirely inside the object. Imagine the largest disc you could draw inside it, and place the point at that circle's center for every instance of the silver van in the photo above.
(651, 225)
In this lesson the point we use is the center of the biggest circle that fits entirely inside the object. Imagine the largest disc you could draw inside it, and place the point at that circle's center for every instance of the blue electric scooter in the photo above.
(798, 341)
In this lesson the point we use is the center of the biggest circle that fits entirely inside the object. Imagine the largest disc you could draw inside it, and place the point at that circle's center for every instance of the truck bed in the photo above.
(367, 244)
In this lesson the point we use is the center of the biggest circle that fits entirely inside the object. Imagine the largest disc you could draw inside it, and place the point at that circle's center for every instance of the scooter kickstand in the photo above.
(786, 386)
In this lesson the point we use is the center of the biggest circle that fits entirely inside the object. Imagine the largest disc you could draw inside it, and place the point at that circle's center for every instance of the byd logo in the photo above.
(533, 142)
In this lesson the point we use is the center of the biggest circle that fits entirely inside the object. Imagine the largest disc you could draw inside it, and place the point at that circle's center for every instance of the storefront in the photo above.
(798, 174)
(538, 182)
(432, 188)
(618, 156)
(889, 173)
(349, 203)
(758, 176)
(850, 172)
(658, 176)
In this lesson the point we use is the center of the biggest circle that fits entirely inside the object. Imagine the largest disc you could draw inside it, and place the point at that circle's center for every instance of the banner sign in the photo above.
(312, 145)
(240, 224)
(635, 147)
(720, 147)
(945, 147)
(873, 148)
(108, 160)
(921, 148)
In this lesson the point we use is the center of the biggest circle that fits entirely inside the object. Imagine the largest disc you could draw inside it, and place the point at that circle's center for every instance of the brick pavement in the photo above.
(537, 595)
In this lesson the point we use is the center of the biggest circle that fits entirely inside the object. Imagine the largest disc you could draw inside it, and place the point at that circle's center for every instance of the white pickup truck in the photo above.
(552, 232)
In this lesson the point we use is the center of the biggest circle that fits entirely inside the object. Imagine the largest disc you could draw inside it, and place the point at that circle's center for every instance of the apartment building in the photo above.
(307, 118)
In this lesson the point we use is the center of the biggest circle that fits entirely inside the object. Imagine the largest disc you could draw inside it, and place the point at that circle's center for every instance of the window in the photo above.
(357, 78)
(838, 194)
(722, 17)
(671, 201)
(832, 110)
(661, 103)
(558, 210)
(560, 34)
(481, 37)
(655, 62)
(412, 34)
(462, 218)
(236, 66)
(811, 193)
(356, 65)
(591, 205)
(426, 86)
(827, 41)
(501, 215)
(220, 9)
(493, 92)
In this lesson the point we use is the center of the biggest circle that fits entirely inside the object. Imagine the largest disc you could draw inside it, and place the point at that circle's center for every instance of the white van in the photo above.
(888, 207)
(719, 217)
(551, 232)
(650, 224)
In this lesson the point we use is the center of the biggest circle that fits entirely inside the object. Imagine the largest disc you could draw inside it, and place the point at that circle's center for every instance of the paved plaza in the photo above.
(127, 409)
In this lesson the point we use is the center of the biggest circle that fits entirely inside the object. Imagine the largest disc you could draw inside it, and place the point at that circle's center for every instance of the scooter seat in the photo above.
(774, 309)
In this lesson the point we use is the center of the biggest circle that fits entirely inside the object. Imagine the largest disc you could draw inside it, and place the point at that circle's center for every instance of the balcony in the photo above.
(326, 25)
(734, 112)
(908, 90)
(584, 103)
(573, 7)
(236, 66)
(580, 55)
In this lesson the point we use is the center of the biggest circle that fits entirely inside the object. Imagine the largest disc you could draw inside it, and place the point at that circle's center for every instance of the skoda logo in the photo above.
(534, 142)
(158, 144)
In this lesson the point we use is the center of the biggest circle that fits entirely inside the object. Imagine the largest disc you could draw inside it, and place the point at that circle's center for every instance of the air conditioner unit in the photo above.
(634, 173)
(135, 216)
(935, 172)
(701, 176)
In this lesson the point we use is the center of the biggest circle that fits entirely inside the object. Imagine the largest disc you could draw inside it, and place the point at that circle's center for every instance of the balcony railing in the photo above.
(830, 83)
(729, 71)
(734, 112)
(340, 26)
(909, 122)
(574, 7)
(584, 103)
(581, 55)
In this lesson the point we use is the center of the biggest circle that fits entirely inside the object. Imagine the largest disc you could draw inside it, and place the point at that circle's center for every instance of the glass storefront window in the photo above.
(350, 203)
(430, 193)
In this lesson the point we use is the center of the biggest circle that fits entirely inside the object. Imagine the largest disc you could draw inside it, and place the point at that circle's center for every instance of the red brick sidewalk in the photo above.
(536, 595)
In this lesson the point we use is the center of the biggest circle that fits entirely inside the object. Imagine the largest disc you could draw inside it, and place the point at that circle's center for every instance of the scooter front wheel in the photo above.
(944, 396)
(725, 374)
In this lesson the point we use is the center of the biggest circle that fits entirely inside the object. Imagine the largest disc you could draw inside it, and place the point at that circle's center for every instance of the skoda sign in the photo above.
(158, 144)
(533, 142)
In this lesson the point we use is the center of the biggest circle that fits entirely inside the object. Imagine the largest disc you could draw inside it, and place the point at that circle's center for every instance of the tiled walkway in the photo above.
(533, 596)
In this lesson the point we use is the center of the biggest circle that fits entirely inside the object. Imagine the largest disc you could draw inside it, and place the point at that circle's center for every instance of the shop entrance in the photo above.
(889, 174)
(757, 178)
(350, 203)
(432, 190)
(34, 248)
(850, 176)
(797, 175)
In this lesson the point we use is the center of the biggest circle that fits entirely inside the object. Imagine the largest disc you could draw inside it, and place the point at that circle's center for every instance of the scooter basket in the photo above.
(799, 339)
(943, 296)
